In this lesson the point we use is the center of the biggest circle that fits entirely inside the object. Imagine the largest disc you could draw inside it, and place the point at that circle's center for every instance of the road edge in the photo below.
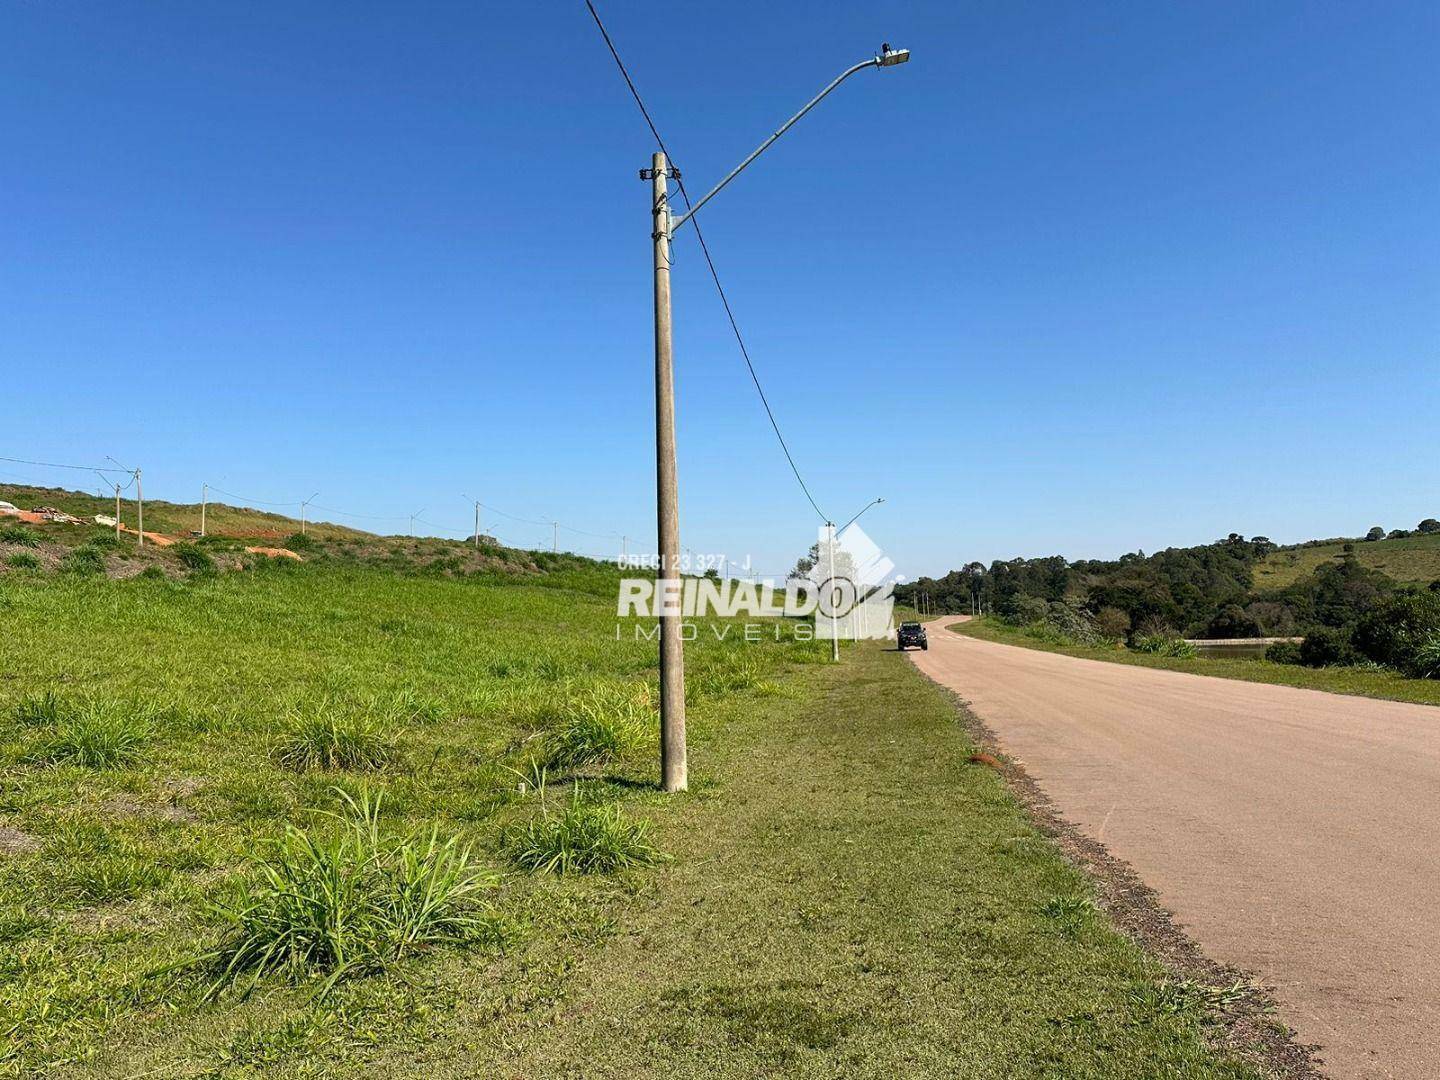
(1248, 1028)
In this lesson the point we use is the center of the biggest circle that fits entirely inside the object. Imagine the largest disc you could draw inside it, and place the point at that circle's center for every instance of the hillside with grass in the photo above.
(236, 539)
(178, 520)
(1413, 559)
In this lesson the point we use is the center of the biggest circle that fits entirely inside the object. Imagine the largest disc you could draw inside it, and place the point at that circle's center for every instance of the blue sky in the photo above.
(1077, 279)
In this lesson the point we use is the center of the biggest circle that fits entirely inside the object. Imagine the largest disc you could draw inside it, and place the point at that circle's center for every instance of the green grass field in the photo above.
(1413, 559)
(839, 893)
(1335, 680)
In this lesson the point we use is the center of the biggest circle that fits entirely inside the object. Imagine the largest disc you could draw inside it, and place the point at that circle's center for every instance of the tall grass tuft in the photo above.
(84, 560)
(409, 706)
(329, 741)
(96, 735)
(587, 838)
(1164, 645)
(731, 675)
(194, 558)
(347, 905)
(1426, 659)
(19, 534)
(601, 725)
(40, 710)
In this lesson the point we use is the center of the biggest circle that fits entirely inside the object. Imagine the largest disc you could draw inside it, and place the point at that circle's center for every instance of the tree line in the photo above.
(1206, 591)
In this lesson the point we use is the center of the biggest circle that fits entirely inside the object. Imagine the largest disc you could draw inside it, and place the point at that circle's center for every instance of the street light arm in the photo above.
(873, 502)
(874, 61)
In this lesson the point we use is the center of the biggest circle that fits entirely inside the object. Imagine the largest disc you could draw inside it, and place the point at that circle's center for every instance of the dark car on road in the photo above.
(911, 633)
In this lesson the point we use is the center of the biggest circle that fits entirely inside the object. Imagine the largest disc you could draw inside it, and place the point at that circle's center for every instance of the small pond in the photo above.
(1232, 650)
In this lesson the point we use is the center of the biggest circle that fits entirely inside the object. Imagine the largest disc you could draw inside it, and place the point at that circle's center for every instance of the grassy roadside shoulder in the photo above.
(849, 897)
(1334, 680)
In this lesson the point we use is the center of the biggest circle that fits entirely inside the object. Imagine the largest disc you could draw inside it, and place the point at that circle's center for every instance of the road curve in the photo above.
(1294, 833)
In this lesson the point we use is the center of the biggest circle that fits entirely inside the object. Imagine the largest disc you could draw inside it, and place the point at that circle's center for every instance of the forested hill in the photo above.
(1235, 587)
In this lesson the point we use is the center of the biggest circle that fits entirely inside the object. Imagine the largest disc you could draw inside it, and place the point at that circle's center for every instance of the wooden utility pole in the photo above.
(302, 513)
(117, 511)
(673, 767)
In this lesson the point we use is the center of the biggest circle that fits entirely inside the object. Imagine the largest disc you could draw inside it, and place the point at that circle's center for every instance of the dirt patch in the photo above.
(124, 917)
(15, 841)
(130, 806)
(1247, 1026)
(150, 538)
(274, 553)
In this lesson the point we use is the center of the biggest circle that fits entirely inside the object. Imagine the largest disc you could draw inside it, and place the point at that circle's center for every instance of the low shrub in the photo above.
(329, 741)
(299, 542)
(1326, 647)
(95, 735)
(152, 573)
(1073, 623)
(19, 534)
(105, 541)
(1112, 623)
(1041, 630)
(1284, 652)
(347, 905)
(84, 560)
(1398, 632)
(588, 838)
(23, 560)
(1163, 645)
(1425, 661)
(194, 558)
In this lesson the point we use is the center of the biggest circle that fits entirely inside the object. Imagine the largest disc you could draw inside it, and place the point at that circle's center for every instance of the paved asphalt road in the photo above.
(1295, 834)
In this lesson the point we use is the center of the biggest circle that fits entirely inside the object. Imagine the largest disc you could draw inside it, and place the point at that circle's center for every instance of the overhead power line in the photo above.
(245, 500)
(709, 261)
(54, 465)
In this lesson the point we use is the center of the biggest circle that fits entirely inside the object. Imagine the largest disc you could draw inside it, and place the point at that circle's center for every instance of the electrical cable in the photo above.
(709, 261)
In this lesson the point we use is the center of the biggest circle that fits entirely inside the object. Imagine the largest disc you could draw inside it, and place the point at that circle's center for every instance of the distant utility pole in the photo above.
(554, 537)
(303, 504)
(117, 511)
(412, 522)
(204, 498)
(139, 512)
(624, 550)
(834, 602)
(477, 524)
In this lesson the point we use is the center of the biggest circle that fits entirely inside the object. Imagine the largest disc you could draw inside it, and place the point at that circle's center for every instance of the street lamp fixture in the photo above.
(888, 58)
